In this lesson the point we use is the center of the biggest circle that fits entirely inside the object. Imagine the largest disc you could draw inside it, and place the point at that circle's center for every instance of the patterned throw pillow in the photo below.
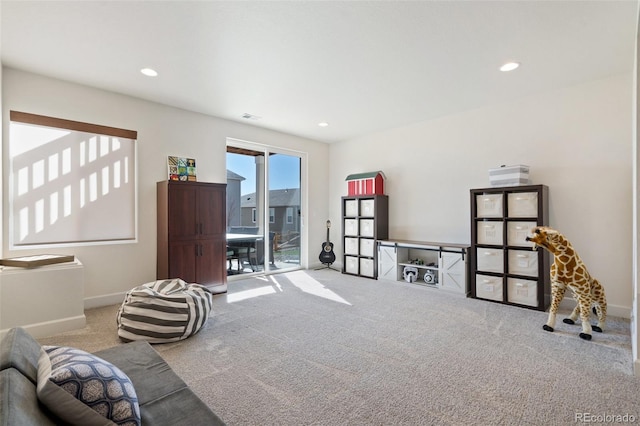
(83, 389)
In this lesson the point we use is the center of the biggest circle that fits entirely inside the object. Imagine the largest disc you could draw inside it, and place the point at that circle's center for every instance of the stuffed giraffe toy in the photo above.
(568, 271)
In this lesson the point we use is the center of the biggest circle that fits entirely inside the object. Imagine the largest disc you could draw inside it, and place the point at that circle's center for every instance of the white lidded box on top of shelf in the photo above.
(509, 175)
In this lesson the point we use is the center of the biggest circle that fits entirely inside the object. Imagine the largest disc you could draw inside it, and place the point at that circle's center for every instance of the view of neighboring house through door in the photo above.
(263, 209)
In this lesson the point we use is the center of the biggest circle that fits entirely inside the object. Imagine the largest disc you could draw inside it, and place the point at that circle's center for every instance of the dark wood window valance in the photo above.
(43, 120)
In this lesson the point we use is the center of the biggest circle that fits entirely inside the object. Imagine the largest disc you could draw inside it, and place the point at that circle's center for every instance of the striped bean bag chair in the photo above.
(163, 311)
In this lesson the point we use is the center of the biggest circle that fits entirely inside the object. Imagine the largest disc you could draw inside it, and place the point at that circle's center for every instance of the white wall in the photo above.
(162, 131)
(635, 321)
(576, 141)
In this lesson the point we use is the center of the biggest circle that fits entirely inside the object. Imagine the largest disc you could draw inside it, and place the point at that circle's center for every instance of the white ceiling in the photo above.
(362, 66)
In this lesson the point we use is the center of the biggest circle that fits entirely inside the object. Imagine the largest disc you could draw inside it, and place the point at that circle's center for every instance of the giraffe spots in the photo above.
(568, 271)
(563, 258)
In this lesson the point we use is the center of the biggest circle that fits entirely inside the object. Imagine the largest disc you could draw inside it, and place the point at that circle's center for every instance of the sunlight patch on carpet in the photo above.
(248, 294)
(309, 285)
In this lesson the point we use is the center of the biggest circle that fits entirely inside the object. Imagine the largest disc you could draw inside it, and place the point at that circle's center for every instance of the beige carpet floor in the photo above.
(324, 348)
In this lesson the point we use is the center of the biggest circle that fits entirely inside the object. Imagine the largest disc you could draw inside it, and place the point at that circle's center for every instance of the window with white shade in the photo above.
(70, 182)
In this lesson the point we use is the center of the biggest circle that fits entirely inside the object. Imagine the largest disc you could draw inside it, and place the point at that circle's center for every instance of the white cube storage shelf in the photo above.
(489, 287)
(367, 247)
(366, 228)
(351, 265)
(367, 208)
(351, 208)
(490, 233)
(523, 204)
(489, 205)
(522, 262)
(504, 267)
(523, 292)
(365, 219)
(351, 227)
(517, 233)
(490, 260)
(366, 267)
(351, 246)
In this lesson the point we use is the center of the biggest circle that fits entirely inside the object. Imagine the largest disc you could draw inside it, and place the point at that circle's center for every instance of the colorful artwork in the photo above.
(183, 169)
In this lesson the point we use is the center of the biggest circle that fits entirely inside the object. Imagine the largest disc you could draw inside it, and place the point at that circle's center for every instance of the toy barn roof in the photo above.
(359, 176)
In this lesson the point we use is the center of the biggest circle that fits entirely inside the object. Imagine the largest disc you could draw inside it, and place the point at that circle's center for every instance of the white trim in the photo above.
(104, 300)
(569, 303)
(13, 232)
(50, 328)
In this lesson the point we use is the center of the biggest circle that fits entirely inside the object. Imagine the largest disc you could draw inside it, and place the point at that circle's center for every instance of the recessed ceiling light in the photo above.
(149, 72)
(323, 124)
(509, 66)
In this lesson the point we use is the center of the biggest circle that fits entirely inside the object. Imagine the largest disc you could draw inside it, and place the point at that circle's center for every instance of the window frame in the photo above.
(98, 131)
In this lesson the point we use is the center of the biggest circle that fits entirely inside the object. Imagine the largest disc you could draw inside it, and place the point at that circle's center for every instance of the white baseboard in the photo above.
(105, 300)
(49, 328)
(612, 310)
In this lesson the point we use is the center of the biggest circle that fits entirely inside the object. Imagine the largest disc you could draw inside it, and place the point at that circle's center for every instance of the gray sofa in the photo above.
(163, 397)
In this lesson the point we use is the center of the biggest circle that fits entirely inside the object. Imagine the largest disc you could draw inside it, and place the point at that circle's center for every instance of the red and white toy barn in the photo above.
(371, 183)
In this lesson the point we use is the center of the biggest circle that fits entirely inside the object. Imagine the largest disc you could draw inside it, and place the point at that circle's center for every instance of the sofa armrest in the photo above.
(21, 351)
(164, 398)
(19, 403)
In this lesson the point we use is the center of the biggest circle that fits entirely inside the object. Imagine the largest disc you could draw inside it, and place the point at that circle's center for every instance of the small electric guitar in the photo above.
(327, 256)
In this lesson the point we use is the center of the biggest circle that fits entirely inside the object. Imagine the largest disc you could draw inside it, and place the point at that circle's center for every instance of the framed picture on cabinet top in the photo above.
(182, 169)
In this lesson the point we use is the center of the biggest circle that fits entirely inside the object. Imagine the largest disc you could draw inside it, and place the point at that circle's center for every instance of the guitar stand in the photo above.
(328, 267)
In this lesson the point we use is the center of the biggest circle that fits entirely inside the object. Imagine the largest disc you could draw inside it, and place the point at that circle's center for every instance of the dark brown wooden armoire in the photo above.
(192, 233)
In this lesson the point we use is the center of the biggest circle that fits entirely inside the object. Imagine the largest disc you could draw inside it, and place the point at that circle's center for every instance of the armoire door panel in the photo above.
(210, 264)
(211, 223)
(182, 217)
(182, 261)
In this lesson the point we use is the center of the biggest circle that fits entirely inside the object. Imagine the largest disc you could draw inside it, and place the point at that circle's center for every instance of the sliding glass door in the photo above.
(263, 210)
(284, 210)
